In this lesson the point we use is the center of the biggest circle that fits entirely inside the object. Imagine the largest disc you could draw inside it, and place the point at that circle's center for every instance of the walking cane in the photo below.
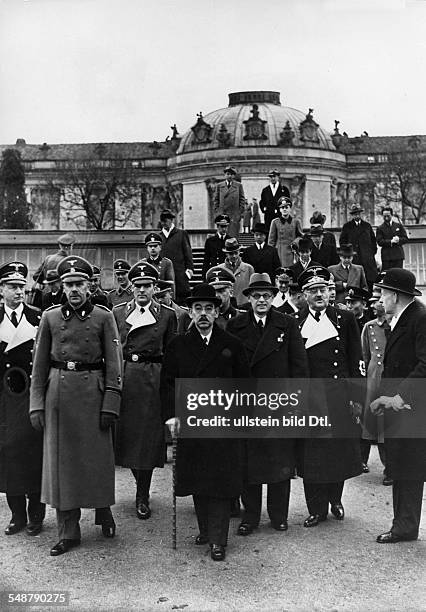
(174, 525)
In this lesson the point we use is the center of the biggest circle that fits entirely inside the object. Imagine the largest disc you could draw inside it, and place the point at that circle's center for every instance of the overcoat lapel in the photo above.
(399, 328)
(204, 355)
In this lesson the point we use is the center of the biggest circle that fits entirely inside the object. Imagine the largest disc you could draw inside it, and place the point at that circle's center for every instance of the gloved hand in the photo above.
(174, 426)
(107, 420)
(38, 420)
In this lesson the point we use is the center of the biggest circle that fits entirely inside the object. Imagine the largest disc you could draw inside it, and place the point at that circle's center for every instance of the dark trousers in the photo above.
(365, 450)
(213, 516)
(319, 494)
(277, 501)
(18, 506)
(68, 521)
(395, 263)
(143, 484)
(407, 507)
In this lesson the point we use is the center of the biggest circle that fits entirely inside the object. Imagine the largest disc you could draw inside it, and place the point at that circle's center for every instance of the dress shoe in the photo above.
(280, 526)
(314, 519)
(337, 511)
(201, 539)
(387, 481)
(15, 526)
(63, 546)
(365, 468)
(245, 529)
(108, 529)
(34, 527)
(391, 538)
(143, 510)
(217, 552)
(235, 508)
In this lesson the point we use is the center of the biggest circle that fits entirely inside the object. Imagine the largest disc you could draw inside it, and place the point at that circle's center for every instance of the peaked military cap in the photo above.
(274, 173)
(153, 238)
(143, 272)
(163, 286)
(314, 276)
(74, 267)
(222, 220)
(66, 239)
(284, 201)
(230, 169)
(13, 272)
(96, 271)
(219, 277)
(52, 276)
(121, 265)
(354, 293)
(279, 272)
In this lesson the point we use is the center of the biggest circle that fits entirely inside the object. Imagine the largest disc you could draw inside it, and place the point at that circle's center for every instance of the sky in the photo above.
(126, 70)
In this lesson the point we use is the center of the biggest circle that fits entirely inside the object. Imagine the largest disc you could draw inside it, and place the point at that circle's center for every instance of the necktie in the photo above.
(14, 318)
(260, 326)
(317, 317)
(206, 342)
(142, 309)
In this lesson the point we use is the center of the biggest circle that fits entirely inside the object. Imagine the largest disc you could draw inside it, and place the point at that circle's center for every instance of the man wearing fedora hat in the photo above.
(391, 236)
(54, 294)
(240, 270)
(346, 273)
(270, 196)
(401, 400)
(164, 265)
(323, 252)
(360, 234)
(21, 447)
(145, 328)
(208, 469)
(214, 245)
(75, 400)
(260, 255)
(275, 350)
(177, 248)
(229, 200)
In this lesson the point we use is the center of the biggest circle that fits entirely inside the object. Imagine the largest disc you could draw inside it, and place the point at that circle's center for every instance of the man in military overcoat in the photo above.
(145, 328)
(229, 200)
(163, 265)
(75, 399)
(123, 292)
(214, 245)
(20, 445)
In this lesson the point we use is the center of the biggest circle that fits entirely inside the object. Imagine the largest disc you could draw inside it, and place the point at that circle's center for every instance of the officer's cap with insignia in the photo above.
(332, 282)
(153, 238)
(14, 272)
(315, 276)
(74, 268)
(353, 294)
(219, 278)
(162, 286)
(143, 273)
(66, 239)
(121, 265)
(284, 274)
(96, 272)
(222, 219)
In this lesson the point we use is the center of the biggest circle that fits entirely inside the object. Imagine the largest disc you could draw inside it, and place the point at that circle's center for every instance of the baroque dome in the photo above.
(253, 119)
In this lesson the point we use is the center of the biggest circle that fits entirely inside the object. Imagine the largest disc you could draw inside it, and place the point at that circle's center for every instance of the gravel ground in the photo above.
(336, 566)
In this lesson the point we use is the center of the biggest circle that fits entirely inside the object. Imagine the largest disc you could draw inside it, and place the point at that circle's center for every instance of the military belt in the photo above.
(136, 358)
(77, 366)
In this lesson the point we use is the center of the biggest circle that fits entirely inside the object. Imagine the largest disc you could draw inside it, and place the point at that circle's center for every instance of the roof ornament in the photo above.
(223, 136)
(201, 130)
(286, 135)
(309, 129)
(255, 127)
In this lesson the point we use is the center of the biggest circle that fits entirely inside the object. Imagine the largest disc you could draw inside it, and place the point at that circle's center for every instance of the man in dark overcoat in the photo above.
(360, 234)
(269, 198)
(123, 292)
(164, 265)
(323, 252)
(54, 293)
(20, 445)
(145, 328)
(333, 346)
(177, 248)
(275, 350)
(262, 256)
(214, 245)
(75, 400)
(402, 401)
(391, 236)
(229, 200)
(208, 469)
(304, 257)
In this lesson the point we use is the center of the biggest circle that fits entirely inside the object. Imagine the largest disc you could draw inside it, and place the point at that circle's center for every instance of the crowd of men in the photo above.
(88, 377)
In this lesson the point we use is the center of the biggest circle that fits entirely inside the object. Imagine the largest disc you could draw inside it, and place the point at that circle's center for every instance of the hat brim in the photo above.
(353, 212)
(15, 281)
(351, 253)
(260, 287)
(50, 282)
(152, 242)
(74, 276)
(142, 280)
(232, 250)
(415, 292)
(216, 301)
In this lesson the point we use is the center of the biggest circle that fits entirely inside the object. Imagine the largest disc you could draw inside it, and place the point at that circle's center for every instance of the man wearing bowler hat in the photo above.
(21, 447)
(262, 256)
(402, 400)
(214, 245)
(75, 400)
(304, 256)
(229, 200)
(123, 292)
(240, 270)
(270, 196)
(346, 273)
(145, 328)
(209, 469)
(360, 234)
(391, 236)
(163, 265)
(177, 248)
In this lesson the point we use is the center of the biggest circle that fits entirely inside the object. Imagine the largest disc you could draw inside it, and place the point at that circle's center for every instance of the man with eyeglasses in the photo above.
(208, 469)
(333, 346)
(275, 350)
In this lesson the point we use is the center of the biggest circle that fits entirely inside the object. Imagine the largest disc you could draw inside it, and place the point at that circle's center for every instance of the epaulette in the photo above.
(101, 306)
(52, 307)
(120, 304)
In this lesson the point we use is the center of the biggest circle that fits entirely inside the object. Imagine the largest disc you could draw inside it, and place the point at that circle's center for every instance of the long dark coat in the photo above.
(338, 358)
(405, 361)
(21, 446)
(213, 252)
(263, 260)
(140, 436)
(177, 248)
(269, 202)
(384, 234)
(78, 457)
(211, 467)
(326, 255)
(364, 242)
(271, 460)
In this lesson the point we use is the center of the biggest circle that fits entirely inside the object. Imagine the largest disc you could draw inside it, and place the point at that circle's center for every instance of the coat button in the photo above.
(335, 376)
(379, 363)
(337, 337)
(8, 365)
(336, 350)
(335, 363)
